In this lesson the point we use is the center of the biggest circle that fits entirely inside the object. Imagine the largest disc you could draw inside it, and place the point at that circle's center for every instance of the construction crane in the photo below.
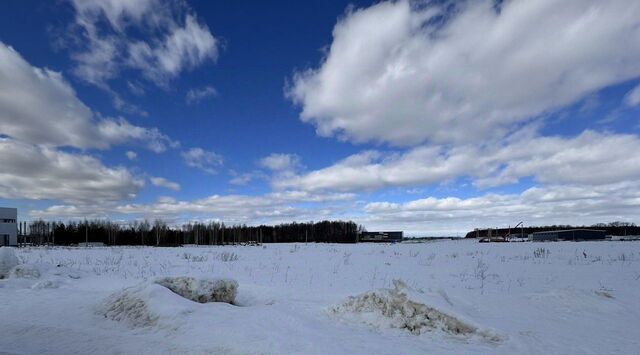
(509, 232)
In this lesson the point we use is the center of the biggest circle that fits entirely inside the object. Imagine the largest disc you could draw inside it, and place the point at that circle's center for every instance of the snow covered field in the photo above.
(460, 297)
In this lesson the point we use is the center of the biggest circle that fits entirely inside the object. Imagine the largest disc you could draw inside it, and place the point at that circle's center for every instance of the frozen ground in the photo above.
(460, 297)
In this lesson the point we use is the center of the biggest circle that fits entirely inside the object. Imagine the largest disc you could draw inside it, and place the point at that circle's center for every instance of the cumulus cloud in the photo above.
(204, 160)
(109, 37)
(590, 158)
(36, 172)
(39, 106)
(197, 95)
(406, 73)
(121, 131)
(162, 182)
(633, 97)
(131, 155)
(241, 179)
(268, 208)
(556, 204)
(280, 162)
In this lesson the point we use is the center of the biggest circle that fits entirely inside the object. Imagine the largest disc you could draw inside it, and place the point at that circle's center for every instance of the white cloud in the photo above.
(633, 97)
(39, 106)
(395, 72)
(109, 39)
(121, 131)
(201, 159)
(34, 172)
(280, 162)
(136, 88)
(131, 155)
(588, 159)
(197, 95)
(557, 204)
(241, 179)
(120, 104)
(162, 182)
(269, 208)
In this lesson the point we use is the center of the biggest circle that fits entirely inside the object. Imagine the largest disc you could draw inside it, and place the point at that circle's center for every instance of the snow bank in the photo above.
(200, 290)
(145, 305)
(8, 260)
(392, 308)
(165, 301)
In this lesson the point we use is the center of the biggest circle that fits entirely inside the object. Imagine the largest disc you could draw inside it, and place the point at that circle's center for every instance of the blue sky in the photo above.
(418, 116)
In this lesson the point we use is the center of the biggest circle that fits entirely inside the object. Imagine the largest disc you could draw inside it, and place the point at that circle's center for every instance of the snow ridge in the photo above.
(392, 308)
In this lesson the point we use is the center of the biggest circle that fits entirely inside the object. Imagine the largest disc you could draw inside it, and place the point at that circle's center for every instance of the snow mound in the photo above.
(46, 284)
(165, 302)
(392, 308)
(25, 271)
(145, 305)
(8, 260)
(202, 290)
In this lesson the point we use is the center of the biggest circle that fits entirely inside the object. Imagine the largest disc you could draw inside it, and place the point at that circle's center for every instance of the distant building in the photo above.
(8, 226)
(385, 237)
(569, 234)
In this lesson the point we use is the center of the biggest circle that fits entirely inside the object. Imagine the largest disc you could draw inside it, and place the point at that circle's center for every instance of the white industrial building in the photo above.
(8, 226)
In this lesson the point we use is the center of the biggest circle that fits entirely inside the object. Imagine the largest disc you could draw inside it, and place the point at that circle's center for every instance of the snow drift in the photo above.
(165, 302)
(8, 260)
(392, 308)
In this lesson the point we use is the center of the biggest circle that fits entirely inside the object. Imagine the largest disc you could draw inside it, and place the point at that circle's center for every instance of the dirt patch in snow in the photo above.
(200, 290)
(392, 308)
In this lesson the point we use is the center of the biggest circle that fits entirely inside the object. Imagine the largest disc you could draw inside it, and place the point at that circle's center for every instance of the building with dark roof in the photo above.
(568, 234)
(381, 237)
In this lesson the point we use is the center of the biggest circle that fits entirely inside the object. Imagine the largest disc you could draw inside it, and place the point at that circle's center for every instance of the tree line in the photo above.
(612, 228)
(159, 233)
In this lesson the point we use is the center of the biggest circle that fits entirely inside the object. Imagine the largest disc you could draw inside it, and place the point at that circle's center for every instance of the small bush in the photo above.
(541, 253)
(226, 256)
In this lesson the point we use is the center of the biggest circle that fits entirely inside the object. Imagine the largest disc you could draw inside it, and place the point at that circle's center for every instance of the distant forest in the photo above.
(158, 233)
(613, 228)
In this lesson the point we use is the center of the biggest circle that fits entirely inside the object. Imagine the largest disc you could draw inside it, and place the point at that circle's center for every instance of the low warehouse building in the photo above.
(569, 234)
(387, 237)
